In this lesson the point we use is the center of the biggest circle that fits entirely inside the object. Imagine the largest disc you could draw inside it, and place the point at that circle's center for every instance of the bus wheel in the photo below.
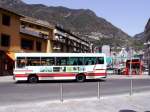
(80, 78)
(32, 79)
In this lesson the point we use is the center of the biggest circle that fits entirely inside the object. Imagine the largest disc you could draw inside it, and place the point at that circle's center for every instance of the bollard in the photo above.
(98, 90)
(131, 86)
(61, 92)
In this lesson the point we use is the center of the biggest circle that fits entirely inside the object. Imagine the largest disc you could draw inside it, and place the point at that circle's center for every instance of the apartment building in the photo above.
(65, 41)
(25, 34)
(147, 44)
(21, 34)
(35, 35)
(9, 38)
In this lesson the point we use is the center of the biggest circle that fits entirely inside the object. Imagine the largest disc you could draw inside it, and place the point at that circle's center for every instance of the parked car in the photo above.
(110, 71)
(145, 72)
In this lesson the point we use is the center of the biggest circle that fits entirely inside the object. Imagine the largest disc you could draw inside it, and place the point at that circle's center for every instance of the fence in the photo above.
(129, 88)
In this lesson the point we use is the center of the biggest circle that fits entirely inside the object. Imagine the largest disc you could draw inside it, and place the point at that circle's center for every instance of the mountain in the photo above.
(140, 36)
(82, 22)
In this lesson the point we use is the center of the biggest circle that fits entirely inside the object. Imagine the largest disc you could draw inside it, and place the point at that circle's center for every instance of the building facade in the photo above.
(147, 44)
(25, 34)
(36, 35)
(65, 41)
(9, 36)
(21, 34)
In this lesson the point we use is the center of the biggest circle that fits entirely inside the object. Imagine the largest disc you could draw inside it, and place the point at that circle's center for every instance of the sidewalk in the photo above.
(128, 77)
(135, 103)
(6, 79)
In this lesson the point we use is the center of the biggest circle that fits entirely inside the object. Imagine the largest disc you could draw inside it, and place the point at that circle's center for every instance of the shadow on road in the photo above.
(127, 110)
(61, 81)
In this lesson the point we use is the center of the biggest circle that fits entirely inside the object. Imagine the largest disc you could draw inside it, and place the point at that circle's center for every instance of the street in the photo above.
(15, 93)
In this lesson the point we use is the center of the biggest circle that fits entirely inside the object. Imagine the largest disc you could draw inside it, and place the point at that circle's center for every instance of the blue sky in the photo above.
(129, 15)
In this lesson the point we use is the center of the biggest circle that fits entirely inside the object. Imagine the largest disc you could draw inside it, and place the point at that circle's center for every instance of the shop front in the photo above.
(6, 64)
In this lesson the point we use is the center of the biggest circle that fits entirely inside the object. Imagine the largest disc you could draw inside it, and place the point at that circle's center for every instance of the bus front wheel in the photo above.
(80, 78)
(32, 79)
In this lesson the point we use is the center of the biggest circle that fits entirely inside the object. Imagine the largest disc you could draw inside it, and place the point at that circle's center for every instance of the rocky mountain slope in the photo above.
(82, 22)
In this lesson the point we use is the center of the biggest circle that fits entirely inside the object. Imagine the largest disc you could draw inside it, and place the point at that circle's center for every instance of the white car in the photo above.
(145, 72)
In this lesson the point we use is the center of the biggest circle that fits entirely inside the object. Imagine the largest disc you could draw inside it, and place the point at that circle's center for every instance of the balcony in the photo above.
(59, 38)
(31, 32)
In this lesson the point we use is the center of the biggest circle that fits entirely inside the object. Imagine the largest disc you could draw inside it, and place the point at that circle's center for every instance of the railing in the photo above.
(33, 33)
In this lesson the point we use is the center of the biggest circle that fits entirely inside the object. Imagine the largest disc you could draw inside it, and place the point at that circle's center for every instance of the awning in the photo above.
(11, 55)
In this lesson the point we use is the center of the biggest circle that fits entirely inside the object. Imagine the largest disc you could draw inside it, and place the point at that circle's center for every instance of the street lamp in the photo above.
(148, 45)
(131, 61)
(148, 55)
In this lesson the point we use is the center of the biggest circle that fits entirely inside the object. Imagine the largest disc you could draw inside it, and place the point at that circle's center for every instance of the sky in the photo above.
(129, 15)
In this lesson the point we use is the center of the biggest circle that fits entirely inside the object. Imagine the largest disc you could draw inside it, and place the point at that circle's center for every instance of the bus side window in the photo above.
(80, 61)
(33, 61)
(100, 60)
(58, 61)
(21, 62)
(87, 61)
(72, 61)
(93, 59)
(47, 61)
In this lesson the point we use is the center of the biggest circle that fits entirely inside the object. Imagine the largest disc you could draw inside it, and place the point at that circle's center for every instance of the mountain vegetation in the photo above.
(82, 22)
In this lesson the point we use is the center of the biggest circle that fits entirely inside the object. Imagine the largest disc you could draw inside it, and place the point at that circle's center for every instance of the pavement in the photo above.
(128, 77)
(6, 79)
(138, 102)
(135, 103)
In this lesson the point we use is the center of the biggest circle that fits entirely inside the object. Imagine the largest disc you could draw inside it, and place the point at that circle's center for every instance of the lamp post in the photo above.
(148, 45)
(131, 80)
(147, 53)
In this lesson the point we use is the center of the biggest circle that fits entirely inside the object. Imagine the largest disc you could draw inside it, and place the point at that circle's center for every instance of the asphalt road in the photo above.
(13, 93)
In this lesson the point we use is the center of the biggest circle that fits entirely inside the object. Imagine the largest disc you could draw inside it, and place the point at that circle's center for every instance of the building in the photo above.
(9, 36)
(106, 50)
(25, 34)
(147, 44)
(65, 41)
(35, 35)
(21, 34)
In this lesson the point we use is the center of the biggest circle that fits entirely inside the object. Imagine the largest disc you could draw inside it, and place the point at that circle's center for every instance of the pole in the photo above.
(131, 86)
(98, 90)
(61, 92)
(148, 59)
(131, 80)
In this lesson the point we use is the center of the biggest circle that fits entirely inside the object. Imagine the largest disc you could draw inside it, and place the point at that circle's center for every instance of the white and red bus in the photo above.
(33, 67)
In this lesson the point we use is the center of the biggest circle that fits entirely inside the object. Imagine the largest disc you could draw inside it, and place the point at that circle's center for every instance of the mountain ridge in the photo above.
(82, 22)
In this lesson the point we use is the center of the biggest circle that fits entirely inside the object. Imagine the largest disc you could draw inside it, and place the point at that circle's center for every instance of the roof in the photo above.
(147, 27)
(60, 54)
(12, 12)
(70, 33)
(37, 22)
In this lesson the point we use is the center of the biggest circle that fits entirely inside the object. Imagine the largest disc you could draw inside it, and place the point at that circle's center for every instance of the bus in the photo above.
(33, 67)
(136, 67)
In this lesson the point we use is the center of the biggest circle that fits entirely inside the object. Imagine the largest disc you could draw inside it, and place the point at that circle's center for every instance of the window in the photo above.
(90, 60)
(26, 44)
(100, 60)
(38, 46)
(6, 20)
(33, 61)
(48, 61)
(62, 61)
(80, 61)
(73, 61)
(21, 62)
(5, 40)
